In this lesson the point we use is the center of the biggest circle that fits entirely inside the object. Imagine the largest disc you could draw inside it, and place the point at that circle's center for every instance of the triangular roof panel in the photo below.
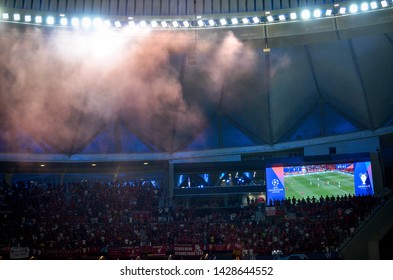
(310, 127)
(104, 142)
(26, 143)
(130, 143)
(335, 123)
(233, 136)
(208, 138)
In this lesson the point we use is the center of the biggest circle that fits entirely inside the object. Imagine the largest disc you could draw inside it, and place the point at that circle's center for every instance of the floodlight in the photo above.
(256, 19)
(384, 3)
(131, 23)
(50, 20)
(364, 6)
(118, 23)
(329, 12)
(154, 24)
(75, 22)
(27, 18)
(212, 22)
(270, 18)
(164, 24)
(107, 23)
(5, 16)
(86, 22)
(200, 23)
(373, 5)
(234, 21)
(143, 24)
(282, 17)
(353, 8)
(245, 20)
(175, 24)
(293, 16)
(223, 21)
(343, 10)
(63, 21)
(317, 13)
(98, 23)
(38, 19)
(186, 23)
(305, 14)
(17, 17)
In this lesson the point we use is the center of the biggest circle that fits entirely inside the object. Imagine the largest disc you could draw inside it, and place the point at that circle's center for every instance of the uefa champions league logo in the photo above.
(363, 177)
(275, 182)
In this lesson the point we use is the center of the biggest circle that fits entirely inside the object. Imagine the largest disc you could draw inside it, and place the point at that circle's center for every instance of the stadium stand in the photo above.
(207, 97)
(122, 221)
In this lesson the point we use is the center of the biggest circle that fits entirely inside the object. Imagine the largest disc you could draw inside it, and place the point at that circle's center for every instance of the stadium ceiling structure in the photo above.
(159, 79)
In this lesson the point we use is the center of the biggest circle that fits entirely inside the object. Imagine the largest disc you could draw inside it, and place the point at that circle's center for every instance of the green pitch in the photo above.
(330, 183)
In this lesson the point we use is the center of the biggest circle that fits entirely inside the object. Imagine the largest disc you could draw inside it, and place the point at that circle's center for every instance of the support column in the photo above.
(377, 173)
(170, 181)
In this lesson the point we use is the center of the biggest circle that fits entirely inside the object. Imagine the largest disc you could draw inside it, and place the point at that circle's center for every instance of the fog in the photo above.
(64, 87)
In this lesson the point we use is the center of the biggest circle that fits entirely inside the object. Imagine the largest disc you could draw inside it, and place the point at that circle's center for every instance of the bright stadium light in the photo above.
(75, 22)
(86, 22)
(343, 10)
(317, 13)
(5, 16)
(353, 8)
(143, 24)
(305, 14)
(293, 16)
(28, 18)
(38, 19)
(118, 24)
(256, 20)
(373, 5)
(235, 21)
(17, 17)
(154, 24)
(98, 23)
(281, 17)
(364, 7)
(186, 23)
(245, 20)
(164, 24)
(329, 12)
(212, 22)
(131, 23)
(175, 24)
(270, 18)
(50, 20)
(63, 21)
(200, 23)
(107, 23)
(384, 3)
(223, 21)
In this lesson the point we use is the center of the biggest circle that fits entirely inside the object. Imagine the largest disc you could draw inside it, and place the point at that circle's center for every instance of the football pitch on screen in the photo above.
(317, 184)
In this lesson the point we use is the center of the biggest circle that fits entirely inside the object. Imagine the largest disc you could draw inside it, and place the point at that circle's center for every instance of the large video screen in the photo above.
(220, 179)
(319, 180)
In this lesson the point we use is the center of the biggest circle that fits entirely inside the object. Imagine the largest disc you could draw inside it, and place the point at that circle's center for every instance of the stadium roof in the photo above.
(164, 94)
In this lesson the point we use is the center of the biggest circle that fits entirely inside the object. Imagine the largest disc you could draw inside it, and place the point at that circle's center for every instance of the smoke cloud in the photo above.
(63, 88)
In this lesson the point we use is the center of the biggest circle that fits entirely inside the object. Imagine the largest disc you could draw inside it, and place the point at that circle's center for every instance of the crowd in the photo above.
(107, 215)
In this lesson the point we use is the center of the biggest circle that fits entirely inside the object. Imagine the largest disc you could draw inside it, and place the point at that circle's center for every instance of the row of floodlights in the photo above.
(87, 22)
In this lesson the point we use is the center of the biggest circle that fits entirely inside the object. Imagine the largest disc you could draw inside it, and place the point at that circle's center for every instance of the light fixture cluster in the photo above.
(87, 22)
